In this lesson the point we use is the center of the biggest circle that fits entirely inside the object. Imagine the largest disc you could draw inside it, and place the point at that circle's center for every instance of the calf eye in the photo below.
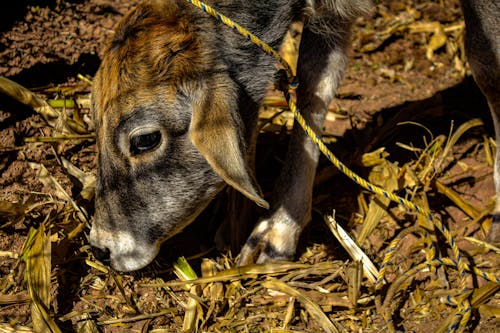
(141, 143)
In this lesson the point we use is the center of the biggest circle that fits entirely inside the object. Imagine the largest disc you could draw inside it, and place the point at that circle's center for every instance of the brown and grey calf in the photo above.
(176, 100)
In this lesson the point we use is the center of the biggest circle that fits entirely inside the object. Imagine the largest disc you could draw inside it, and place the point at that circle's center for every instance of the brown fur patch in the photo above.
(153, 45)
(215, 134)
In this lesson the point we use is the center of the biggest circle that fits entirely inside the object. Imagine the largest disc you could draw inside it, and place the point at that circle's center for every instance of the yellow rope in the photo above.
(462, 267)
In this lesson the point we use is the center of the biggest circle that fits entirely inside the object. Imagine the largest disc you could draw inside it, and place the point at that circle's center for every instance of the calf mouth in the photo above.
(122, 250)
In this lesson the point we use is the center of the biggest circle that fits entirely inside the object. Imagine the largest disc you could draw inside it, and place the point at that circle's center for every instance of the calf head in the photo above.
(168, 134)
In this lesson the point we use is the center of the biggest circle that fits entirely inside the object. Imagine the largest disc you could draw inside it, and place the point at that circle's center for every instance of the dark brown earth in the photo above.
(389, 81)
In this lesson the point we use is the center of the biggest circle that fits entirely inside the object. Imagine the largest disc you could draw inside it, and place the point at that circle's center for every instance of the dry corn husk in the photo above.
(37, 254)
(54, 118)
(369, 269)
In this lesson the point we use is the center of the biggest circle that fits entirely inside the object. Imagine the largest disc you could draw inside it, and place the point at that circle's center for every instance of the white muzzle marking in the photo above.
(126, 253)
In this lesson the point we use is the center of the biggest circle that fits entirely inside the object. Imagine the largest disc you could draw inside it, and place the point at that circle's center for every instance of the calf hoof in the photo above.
(493, 235)
(274, 238)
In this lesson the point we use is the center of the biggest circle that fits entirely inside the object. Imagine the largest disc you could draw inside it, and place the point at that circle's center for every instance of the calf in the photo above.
(482, 45)
(176, 101)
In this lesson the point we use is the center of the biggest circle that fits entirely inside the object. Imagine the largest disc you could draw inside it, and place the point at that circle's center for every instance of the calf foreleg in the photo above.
(482, 43)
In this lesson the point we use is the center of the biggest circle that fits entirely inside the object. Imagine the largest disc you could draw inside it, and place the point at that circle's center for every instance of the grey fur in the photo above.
(482, 43)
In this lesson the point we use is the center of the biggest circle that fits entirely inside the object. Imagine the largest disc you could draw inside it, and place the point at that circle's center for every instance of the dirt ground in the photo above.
(407, 87)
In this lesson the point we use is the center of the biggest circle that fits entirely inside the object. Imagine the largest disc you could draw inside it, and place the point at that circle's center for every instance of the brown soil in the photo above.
(44, 47)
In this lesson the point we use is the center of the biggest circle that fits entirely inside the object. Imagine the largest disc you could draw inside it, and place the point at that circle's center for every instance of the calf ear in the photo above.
(216, 134)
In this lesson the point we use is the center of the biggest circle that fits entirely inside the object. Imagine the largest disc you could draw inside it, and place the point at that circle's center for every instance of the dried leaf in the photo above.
(11, 209)
(356, 253)
(6, 328)
(46, 178)
(453, 139)
(213, 291)
(243, 272)
(86, 179)
(312, 308)
(467, 207)
(438, 40)
(49, 181)
(21, 297)
(87, 325)
(384, 175)
(193, 309)
(479, 297)
(53, 117)
(37, 254)
(354, 277)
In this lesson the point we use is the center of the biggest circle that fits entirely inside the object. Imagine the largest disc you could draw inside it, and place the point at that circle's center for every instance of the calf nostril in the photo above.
(102, 255)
